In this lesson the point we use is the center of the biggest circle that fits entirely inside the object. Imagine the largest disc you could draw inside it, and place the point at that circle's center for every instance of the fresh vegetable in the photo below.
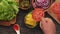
(56, 8)
(58, 17)
(8, 9)
(44, 4)
(37, 14)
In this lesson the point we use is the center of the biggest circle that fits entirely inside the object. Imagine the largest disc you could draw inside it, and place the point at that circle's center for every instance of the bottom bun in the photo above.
(8, 23)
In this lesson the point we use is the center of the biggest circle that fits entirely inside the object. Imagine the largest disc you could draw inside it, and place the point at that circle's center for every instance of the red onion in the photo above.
(42, 3)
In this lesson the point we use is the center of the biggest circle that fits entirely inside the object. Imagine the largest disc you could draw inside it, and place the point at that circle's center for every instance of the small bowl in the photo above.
(8, 23)
(21, 4)
(35, 6)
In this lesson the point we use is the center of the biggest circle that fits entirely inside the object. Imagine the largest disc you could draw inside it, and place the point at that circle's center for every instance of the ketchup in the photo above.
(16, 27)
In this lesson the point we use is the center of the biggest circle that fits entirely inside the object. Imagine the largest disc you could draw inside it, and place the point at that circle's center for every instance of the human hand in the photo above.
(47, 26)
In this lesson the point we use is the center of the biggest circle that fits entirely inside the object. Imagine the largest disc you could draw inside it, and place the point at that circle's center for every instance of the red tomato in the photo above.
(56, 8)
(58, 17)
(37, 14)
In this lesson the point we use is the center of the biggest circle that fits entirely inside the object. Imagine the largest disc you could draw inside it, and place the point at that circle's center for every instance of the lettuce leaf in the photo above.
(8, 9)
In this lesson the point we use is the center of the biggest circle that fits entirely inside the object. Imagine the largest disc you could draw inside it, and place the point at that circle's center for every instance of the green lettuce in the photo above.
(8, 9)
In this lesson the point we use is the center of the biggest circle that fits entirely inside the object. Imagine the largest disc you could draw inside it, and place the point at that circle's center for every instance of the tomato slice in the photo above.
(56, 8)
(58, 17)
(37, 14)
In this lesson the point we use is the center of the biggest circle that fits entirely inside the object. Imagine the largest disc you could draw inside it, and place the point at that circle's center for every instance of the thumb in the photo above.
(49, 20)
(42, 22)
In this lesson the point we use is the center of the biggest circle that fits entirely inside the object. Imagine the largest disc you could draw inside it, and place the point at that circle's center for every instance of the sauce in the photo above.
(15, 27)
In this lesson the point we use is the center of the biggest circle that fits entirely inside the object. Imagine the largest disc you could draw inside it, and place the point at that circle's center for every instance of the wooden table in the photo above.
(24, 29)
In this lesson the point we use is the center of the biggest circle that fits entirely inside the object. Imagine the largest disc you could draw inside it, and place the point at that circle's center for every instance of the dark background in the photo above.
(24, 29)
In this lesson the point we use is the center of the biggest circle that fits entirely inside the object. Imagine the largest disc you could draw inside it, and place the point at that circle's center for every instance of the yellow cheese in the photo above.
(29, 21)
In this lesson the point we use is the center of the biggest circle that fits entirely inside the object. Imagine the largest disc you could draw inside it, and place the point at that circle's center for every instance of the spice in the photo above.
(25, 4)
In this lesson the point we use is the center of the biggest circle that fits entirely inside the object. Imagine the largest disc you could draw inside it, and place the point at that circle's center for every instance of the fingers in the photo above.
(42, 22)
(49, 20)
(47, 25)
(46, 21)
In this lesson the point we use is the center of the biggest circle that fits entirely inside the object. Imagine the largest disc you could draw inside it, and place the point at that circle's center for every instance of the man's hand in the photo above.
(48, 26)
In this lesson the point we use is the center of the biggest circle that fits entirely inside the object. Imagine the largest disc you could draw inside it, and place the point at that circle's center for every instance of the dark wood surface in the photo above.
(24, 29)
